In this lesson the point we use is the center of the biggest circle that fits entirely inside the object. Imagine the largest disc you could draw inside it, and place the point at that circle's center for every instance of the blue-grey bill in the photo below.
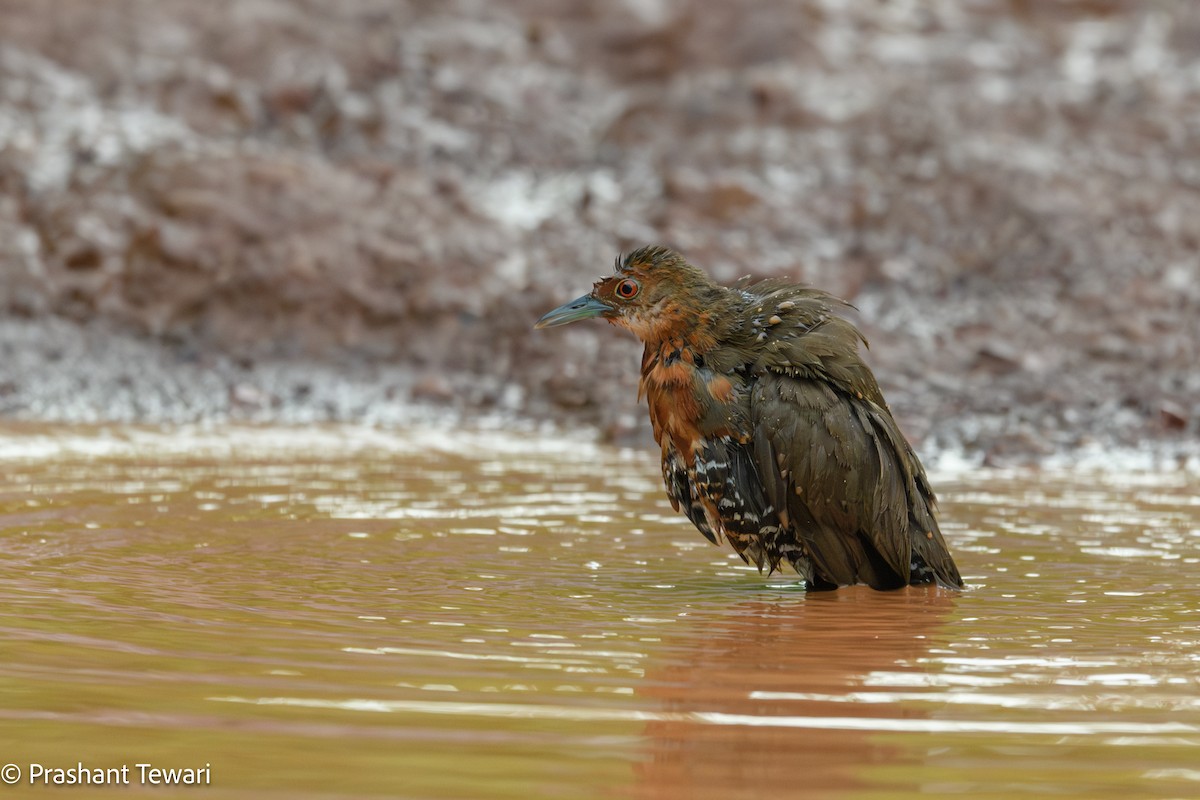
(585, 307)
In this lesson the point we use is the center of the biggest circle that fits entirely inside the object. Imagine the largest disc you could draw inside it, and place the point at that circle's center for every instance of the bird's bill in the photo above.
(585, 307)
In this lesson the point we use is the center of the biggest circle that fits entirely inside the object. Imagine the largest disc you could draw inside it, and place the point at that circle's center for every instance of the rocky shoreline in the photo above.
(292, 212)
(61, 373)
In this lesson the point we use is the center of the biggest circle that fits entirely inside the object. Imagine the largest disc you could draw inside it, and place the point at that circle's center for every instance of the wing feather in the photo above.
(681, 493)
(851, 491)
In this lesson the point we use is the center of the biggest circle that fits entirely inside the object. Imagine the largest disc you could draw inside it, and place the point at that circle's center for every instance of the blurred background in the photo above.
(300, 211)
(293, 212)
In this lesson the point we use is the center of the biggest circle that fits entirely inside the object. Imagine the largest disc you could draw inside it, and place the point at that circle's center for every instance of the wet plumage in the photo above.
(774, 434)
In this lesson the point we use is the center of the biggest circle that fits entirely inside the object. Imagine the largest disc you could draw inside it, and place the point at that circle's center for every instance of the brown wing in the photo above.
(854, 492)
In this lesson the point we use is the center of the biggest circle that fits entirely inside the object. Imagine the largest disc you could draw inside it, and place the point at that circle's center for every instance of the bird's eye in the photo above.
(627, 289)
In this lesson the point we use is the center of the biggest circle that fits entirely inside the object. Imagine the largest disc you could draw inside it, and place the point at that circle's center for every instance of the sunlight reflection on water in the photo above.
(535, 621)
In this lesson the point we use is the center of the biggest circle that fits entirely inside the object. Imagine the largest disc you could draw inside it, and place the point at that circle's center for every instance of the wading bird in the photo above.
(774, 433)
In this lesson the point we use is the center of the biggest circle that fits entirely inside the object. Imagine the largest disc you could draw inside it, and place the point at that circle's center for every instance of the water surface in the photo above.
(350, 613)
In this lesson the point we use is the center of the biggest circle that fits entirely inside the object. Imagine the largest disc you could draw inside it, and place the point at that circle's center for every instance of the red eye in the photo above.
(627, 289)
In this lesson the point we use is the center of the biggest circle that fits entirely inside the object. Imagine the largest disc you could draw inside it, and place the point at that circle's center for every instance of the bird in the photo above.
(775, 435)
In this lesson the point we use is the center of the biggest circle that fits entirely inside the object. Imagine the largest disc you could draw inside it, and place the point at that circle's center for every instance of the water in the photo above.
(348, 613)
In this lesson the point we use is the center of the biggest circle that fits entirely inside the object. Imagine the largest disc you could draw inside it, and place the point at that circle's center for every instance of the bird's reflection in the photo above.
(798, 661)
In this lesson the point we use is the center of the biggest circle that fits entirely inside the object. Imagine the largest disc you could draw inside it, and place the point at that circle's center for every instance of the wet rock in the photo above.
(998, 357)
(1173, 416)
(1018, 448)
(433, 389)
(569, 392)
(247, 397)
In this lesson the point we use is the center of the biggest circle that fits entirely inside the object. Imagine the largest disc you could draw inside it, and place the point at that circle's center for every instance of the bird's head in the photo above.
(653, 293)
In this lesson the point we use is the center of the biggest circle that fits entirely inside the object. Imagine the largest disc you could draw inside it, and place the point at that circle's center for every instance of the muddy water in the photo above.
(349, 613)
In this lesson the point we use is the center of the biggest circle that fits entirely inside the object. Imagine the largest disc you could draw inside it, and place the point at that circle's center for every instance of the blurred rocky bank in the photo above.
(297, 211)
